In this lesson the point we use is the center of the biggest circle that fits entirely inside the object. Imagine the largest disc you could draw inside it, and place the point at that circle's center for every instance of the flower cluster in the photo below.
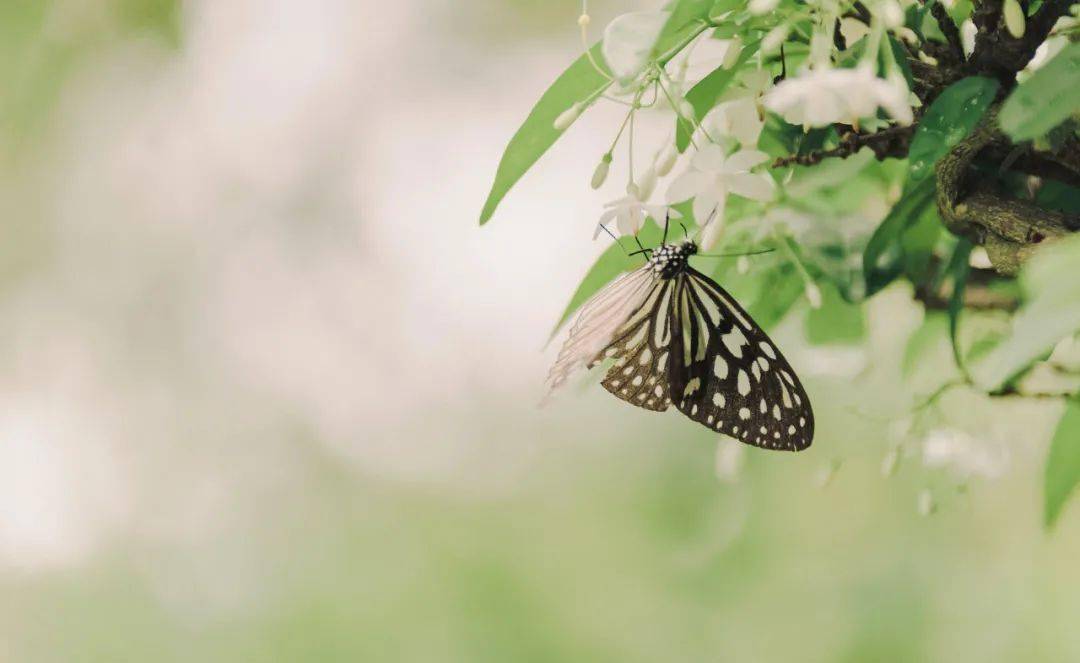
(723, 155)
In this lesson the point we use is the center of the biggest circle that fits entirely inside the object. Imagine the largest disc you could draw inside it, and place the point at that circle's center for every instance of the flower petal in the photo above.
(714, 228)
(686, 186)
(706, 203)
(756, 186)
(742, 161)
(709, 159)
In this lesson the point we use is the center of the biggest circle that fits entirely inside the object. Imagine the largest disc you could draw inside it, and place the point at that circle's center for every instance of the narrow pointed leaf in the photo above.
(951, 117)
(578, 84)
(1062, 463)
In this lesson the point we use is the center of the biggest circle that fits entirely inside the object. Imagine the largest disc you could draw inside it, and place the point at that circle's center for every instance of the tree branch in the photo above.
(891, 142)
(1007, 227)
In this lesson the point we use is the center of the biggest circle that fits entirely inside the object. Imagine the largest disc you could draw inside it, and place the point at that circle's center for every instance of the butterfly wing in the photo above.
(728, 375)
(640, 348)
(599, 322)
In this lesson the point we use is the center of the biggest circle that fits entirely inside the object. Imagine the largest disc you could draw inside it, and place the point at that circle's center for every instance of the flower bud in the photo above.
(1014, 18)
(665, 161)
(775, 37)
(762, 6)
(907, 35)
(813, 294)
(600, 174)
(891, 14)
(647, 183)
(889, 462)
(968, 31)
(826, 473)
(567, 117)
(583, 20)
(731, 55)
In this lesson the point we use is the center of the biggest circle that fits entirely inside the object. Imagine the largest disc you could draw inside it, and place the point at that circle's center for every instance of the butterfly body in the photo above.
(670, 260)
(675, 337)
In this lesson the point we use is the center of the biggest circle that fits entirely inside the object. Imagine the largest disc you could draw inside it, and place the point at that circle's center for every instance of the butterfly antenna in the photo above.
(667, 219)
(605, 229)
(735, 255)
(641, 249)
(685, 232)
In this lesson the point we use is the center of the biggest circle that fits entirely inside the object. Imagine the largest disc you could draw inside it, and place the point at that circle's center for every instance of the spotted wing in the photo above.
(728, 375)
(640, 350)
(599, 322)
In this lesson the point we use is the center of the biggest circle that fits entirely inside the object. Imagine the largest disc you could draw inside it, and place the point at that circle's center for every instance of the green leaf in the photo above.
(704, 95)
(917, 242)
(958, 270)
(580, 83)
(1062, 463)
(884, 257)
(721, 7)
(1046, 99)
(683, 14)
(611, 263)
(949, 120)
(1051, 312)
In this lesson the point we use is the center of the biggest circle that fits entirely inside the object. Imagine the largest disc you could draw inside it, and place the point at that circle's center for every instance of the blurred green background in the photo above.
(268, 394)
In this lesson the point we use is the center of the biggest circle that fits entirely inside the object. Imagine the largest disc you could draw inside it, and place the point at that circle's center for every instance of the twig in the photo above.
(891, 142)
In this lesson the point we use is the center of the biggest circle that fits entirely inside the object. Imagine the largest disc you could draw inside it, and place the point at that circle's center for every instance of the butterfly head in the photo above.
(668, 260)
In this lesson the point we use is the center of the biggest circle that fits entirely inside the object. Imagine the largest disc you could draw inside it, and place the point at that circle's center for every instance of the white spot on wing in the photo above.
(734, 340)
(720, 367)
(692, 386)
(744, 382)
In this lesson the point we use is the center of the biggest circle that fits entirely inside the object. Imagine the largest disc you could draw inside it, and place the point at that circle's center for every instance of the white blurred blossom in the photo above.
(963, 454)
(925, 503)
(824, 95)
(730, 456)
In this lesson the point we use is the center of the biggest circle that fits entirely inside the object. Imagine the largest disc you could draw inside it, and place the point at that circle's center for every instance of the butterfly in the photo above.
(675, 337)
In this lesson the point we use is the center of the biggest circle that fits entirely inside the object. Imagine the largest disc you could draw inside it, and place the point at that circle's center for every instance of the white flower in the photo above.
(712, 175)
(739, 114)
(962, 453)
(821, 96)
(630, 212)
(737, 118)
